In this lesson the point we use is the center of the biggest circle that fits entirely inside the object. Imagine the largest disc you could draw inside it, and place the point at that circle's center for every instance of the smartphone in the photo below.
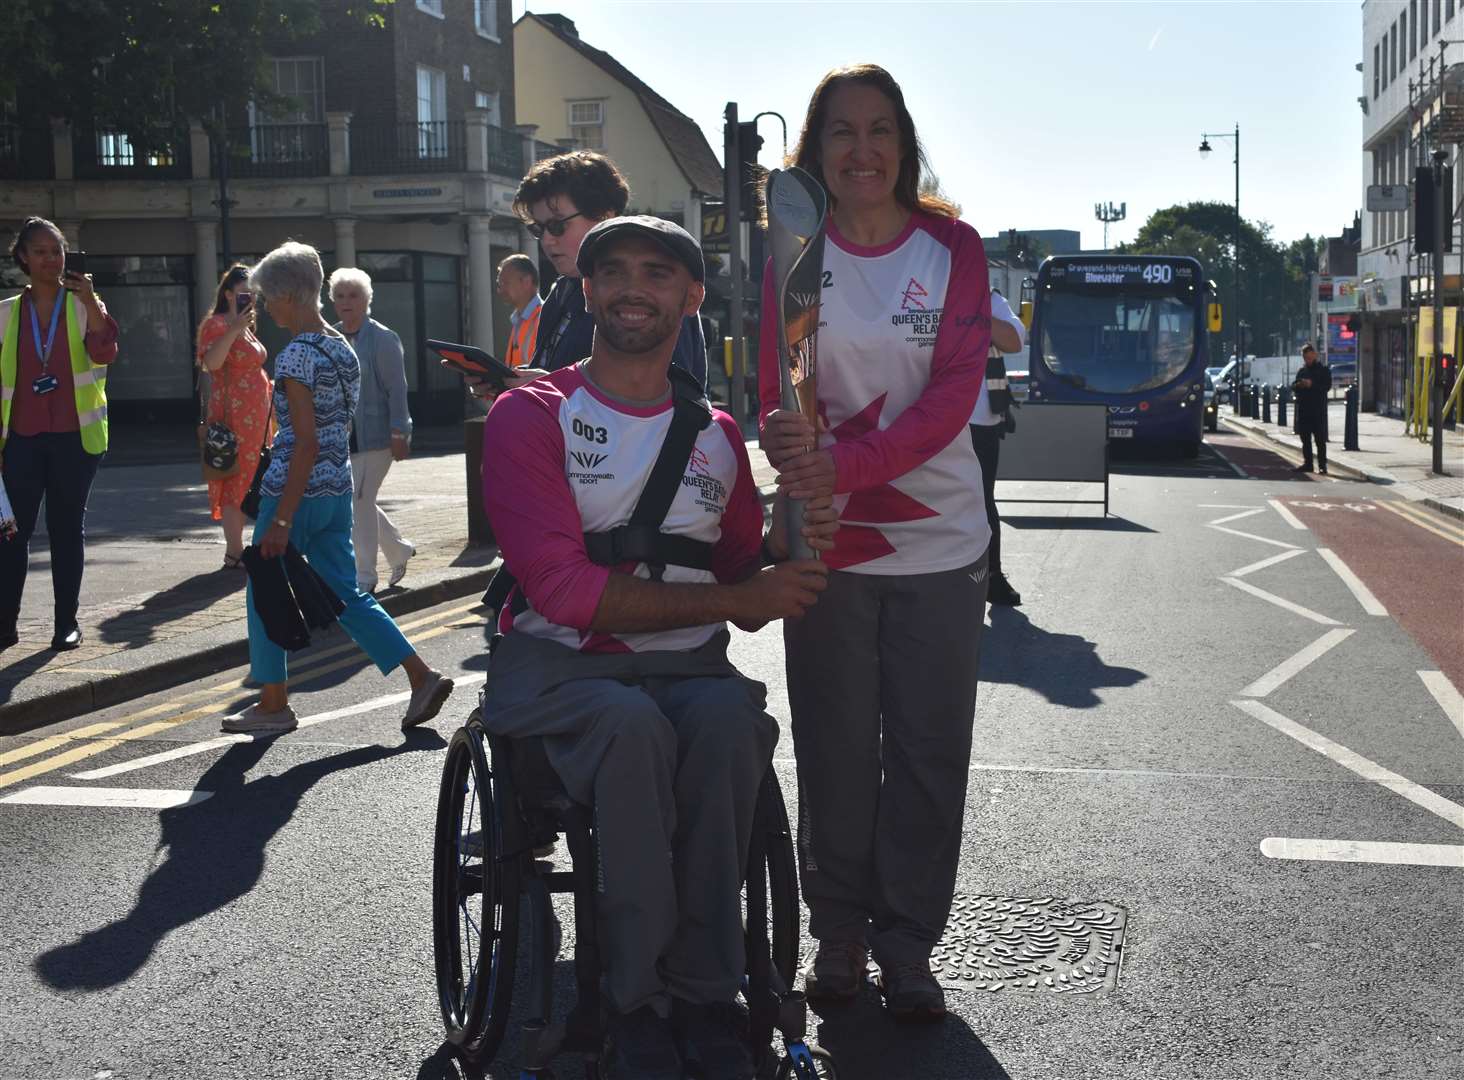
(75, 262)
(242, 300)
(471, 360)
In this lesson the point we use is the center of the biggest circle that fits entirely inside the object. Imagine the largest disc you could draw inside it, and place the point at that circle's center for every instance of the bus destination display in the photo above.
(1122, 273)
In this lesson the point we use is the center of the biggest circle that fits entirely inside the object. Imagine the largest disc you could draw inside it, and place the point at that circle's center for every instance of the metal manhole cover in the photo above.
(1017, 943)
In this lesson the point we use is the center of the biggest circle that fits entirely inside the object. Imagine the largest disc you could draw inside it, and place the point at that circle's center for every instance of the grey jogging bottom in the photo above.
(670, 750)
(882, 678)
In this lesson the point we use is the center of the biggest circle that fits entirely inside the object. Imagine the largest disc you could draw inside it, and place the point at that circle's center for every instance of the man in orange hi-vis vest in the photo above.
(518, 284)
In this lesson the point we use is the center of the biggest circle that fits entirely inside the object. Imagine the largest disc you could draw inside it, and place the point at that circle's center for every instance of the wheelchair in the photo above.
(499, 802)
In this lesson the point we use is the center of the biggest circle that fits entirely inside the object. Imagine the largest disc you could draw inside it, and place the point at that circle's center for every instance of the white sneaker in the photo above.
(256, 721)
(427, 700)
(399, 572)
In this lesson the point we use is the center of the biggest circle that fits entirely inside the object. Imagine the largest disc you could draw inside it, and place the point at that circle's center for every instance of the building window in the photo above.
(431, 7)
(1393, 37)
(1377, 74)
(114, 150)
(1438, 6)
(485, 18)
(1413, 22)
(431, 112)
(301, 79)
(1403, 28)
(1448, 10)
(587, 124)
(484, 100)
(1384, 67)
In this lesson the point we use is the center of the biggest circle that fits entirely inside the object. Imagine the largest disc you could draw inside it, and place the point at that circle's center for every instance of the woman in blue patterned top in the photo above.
(306, 494)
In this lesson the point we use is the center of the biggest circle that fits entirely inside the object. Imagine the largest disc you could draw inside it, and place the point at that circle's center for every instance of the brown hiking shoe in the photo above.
(836, 971)
(911, 993)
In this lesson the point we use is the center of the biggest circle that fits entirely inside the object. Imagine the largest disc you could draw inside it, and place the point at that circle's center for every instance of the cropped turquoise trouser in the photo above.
(321, 531)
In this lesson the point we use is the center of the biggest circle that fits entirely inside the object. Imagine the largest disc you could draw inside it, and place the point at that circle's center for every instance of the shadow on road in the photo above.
(1064, 668)
(140, 625)
(1083, 524)
(214, 855)
(868, 1045)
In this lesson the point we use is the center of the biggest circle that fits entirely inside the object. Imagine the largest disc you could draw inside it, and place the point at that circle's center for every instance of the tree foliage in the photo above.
(143, 66)
(1273, 276)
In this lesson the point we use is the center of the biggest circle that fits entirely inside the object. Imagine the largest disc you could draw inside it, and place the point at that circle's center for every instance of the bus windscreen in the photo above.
(1117, 342)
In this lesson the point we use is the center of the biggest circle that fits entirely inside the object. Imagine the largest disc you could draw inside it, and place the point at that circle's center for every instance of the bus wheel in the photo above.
(1189, 449)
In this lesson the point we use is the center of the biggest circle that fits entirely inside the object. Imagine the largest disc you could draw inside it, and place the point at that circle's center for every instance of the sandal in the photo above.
(232, 562)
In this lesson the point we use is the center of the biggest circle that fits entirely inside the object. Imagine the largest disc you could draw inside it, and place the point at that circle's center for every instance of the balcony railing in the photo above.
(101, 154)
(544, 150)
(26, 153)
(438, 146)
(505, 152)
(279, 150)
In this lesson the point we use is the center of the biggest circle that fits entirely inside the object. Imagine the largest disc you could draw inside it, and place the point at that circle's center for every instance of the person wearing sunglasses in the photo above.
(560, 200)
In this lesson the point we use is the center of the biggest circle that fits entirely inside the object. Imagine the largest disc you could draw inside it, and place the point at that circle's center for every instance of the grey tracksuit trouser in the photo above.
(882, 678)
(670, 750)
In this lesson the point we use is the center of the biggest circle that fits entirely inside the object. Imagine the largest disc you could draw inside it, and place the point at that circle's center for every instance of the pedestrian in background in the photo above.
(56, 341)
(882, 670)
(306, 494)
(1313, 383)
(382, 427)
(238, 397)
(518, 285)
(990, 421)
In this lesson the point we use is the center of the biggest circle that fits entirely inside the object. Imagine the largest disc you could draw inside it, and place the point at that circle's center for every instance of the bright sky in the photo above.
(1031, 113)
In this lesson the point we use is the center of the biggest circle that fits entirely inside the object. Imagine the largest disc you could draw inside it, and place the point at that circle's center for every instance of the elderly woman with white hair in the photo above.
(306, 494)
(382, 428)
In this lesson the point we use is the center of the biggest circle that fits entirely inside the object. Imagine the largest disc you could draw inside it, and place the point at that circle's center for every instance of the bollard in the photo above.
(1281, 399)
(1349, 421)
(1252, 405)
(1266, 403)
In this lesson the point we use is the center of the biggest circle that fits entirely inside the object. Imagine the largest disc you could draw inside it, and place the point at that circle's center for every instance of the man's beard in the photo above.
(641, 339)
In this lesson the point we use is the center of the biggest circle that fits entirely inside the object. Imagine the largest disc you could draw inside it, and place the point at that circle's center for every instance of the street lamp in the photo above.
(1205, 138)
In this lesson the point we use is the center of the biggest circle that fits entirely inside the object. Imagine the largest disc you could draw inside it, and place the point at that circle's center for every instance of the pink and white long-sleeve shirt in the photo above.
(561, 458)
(902, 340)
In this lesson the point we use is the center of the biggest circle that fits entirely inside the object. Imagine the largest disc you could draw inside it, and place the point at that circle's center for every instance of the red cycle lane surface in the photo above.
(1416, 574)
(1256, 460)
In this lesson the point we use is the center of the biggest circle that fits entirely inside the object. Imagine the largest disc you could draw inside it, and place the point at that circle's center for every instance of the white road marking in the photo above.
(1293, 665)
(1272, 561)
(125, 798)
(1368, 851)
(459, 682)
(1237, 517)
(1286, 515)
(1253, 536)
(1365, 597)
(1280, 601)
(1445, 693)
(1236, 469)
(1451, 812)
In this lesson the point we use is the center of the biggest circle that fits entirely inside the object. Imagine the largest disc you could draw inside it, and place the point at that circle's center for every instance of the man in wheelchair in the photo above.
(626, 511)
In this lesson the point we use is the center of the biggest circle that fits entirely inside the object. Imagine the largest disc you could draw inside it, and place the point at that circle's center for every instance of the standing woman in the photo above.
(238, 397)
(306, 494)
(383, 427)
(56, 340)
(882, 670)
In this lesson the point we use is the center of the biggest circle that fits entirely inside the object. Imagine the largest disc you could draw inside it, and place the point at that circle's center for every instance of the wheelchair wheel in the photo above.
(783, 922)
(475, 901)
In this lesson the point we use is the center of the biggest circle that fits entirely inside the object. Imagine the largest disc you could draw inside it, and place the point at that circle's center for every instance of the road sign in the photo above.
(1387, 196)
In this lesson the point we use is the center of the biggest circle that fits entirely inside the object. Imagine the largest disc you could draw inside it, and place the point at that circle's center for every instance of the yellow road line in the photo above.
(93, 746)
(1437, 526)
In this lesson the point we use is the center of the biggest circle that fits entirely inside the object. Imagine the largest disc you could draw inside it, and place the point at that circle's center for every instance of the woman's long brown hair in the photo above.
(912, 156)
(234, 276)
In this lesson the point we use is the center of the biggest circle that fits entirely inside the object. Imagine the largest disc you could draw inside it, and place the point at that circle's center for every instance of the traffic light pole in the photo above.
(1437, 398)
(731, 170)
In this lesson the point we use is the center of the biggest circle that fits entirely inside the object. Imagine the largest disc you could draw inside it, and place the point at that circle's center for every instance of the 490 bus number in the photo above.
(1158, 274)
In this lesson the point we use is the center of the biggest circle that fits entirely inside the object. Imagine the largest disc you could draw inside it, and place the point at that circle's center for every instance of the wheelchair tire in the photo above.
(782, 882)
(475, 901)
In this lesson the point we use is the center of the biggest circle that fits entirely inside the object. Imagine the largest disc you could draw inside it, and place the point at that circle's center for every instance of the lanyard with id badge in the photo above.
(47, 382)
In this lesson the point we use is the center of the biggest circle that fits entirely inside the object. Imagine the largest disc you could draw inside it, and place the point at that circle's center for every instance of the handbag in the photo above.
(220, 452)
(249, 505)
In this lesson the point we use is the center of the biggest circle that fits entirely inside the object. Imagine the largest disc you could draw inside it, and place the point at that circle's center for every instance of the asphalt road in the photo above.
(1197, 719)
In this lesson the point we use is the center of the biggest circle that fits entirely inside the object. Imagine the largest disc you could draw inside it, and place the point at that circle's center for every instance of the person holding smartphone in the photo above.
(56, 340)
(238, 397)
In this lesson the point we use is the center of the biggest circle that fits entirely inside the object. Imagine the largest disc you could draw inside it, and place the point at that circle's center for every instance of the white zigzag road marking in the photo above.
(1237, 517)
(1272, 561)
(1252, 536)
(1280, 601)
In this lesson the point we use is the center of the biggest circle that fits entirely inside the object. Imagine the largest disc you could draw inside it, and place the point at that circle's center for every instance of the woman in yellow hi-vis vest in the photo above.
(55, 342)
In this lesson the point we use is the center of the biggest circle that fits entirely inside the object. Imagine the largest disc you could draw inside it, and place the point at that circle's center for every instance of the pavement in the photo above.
(1385, 455)
(1226, 714)
(157, 610)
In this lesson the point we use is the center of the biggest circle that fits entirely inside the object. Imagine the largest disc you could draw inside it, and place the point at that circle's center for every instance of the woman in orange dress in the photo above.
(238, 398)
